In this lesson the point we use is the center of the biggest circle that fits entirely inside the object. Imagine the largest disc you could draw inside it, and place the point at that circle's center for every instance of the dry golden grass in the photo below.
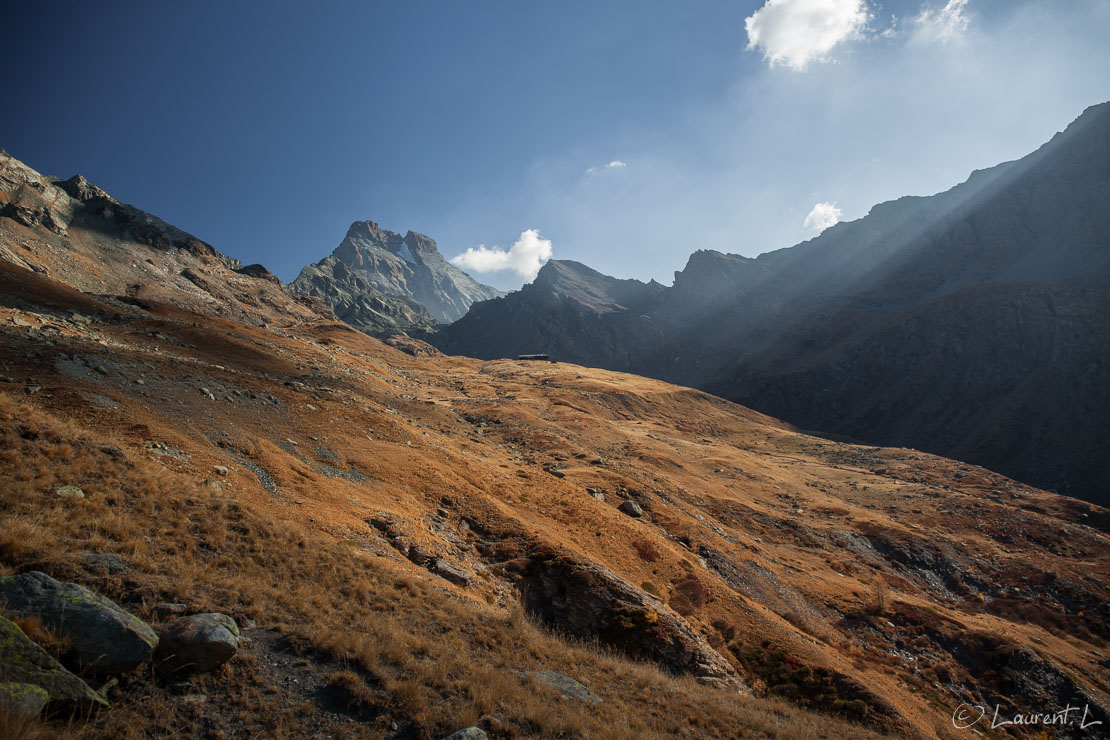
(774, 524)
(414, 652)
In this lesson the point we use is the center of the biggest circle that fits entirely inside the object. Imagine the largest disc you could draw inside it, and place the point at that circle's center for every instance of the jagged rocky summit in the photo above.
(381, 282)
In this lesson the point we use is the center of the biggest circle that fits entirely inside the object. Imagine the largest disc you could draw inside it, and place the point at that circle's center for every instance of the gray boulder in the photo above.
(197, 643)
(468, 733)
(104, 636)
(72, 492)
(632, 509)
(25, 663)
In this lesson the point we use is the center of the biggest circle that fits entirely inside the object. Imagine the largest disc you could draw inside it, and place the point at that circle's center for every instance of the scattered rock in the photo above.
(103, 636)
(106, 561)
(632, 509)
(170, 610)
(22, 700)
(556, 473)
(113, 452)
(197, 644)
(468, 733)
(419, 555)
(566, 686)
(25, 662)
(68, 492)
(220, 469)
(449, 572)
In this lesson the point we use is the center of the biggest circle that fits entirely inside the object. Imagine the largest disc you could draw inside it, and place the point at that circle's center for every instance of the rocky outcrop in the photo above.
(379, 281)
(26, 664)
(589, 601)
(103, 636)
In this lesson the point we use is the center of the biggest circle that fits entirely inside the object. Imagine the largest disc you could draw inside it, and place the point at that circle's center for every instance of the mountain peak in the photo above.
(409, 267)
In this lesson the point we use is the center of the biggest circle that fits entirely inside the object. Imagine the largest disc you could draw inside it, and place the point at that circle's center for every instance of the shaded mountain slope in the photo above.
(569, 311)
(811, 333)
(986, 338)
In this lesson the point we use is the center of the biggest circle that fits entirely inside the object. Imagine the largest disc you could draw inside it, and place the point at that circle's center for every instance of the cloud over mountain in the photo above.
(525, 257)
(822, 217)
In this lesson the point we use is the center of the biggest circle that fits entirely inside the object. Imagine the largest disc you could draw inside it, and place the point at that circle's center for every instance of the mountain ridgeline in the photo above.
(974, 323)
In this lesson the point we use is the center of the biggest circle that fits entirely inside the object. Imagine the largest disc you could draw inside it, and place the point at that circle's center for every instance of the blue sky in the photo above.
(622, 134)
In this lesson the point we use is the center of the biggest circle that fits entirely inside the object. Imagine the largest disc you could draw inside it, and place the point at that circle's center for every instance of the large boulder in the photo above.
(103, 636)
(25, 663)
(197, 643)
(585, 600)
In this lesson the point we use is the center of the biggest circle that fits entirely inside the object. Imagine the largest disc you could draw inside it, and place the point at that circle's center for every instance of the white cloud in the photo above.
(796, 32)
(616, 164)
(941, 25)
(822, 217)
(525, 257)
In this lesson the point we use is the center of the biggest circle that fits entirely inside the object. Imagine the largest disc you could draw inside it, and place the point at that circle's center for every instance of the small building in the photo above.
(543, 358)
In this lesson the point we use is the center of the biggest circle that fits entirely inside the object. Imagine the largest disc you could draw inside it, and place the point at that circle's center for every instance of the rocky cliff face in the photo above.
(380, 281)
(970, 323)
(358, 303)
